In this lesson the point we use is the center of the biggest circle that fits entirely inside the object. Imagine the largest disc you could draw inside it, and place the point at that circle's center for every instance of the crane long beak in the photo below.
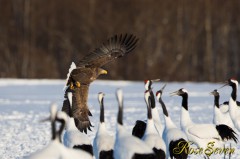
(155, 80)
(224, 84)
(174, 93)
(163, 87)
(211, 93)
(46, 119)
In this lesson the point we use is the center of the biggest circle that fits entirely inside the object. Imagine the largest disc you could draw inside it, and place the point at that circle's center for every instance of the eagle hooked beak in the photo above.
(103, 72)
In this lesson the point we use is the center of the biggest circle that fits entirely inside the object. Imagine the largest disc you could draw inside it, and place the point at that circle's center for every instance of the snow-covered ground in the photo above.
(23, 103)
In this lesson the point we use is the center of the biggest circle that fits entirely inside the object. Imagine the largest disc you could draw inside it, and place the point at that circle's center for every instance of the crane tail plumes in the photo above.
(226, 133)
(139, 129)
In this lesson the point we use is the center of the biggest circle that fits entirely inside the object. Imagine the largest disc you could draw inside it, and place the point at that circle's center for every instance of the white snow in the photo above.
(23, 103)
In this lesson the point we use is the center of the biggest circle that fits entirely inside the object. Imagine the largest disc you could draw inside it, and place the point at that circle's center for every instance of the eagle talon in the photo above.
(77, 84)
(71, 86)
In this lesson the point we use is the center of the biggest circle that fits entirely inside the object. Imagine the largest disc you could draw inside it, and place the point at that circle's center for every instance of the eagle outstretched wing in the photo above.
(115, 47)
(87, 70)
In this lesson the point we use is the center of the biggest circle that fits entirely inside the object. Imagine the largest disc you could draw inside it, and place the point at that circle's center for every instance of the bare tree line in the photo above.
(179, 40)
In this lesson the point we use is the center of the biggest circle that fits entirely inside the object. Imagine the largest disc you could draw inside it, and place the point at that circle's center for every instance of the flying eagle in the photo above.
(86, 71)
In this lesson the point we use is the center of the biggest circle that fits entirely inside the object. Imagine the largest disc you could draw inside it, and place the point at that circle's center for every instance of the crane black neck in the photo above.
(101, 111)
(120, 115)
(216, 101)
(152, 98)
(185, 101)
(53, 125)
(234, 92)
(165, 112)
(149, 109)
(60, 131)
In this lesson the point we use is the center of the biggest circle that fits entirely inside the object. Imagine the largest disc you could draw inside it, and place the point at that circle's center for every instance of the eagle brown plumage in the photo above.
(87, 70)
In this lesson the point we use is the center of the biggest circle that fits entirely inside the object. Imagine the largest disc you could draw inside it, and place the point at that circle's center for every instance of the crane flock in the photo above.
(151, 138)
(158, 139)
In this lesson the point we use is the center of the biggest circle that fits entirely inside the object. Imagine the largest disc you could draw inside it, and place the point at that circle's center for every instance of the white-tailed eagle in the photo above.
(86, 71)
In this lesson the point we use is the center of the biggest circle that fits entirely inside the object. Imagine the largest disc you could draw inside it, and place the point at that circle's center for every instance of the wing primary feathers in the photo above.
(120, 38)
(115, 42)
(124, 38)
(128, 39)
(131, 40)
(132, 46)
(104, 48)
(110, 43)
(115, 47)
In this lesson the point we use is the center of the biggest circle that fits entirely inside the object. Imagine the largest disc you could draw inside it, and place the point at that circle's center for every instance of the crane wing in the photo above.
(204, 131)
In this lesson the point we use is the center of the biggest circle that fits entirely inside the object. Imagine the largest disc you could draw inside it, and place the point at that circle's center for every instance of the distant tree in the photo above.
(179, 40)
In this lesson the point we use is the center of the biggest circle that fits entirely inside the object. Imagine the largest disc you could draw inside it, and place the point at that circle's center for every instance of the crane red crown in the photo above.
(145, 81)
